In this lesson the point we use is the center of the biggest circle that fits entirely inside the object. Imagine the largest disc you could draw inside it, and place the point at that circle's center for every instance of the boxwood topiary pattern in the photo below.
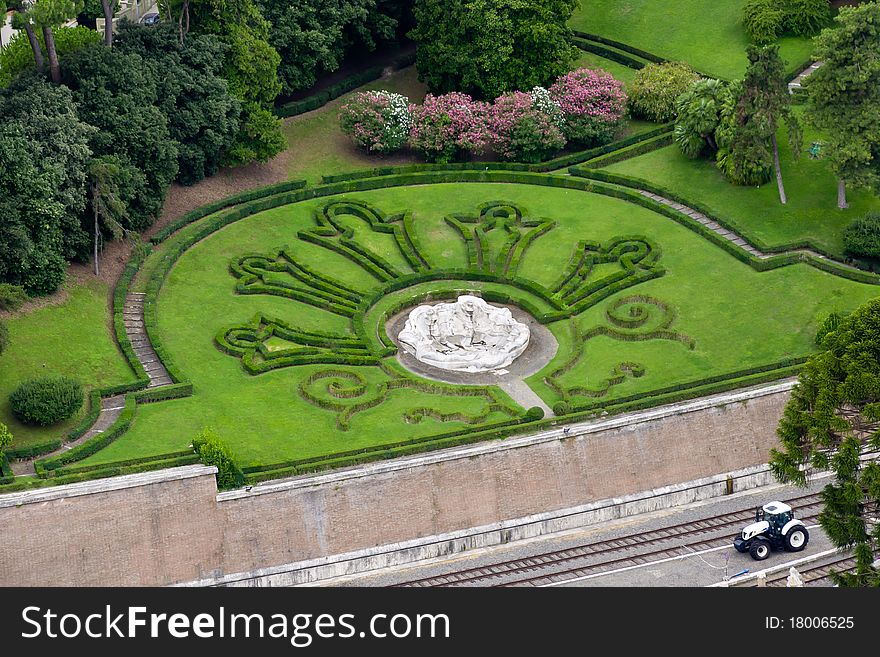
(267, 343)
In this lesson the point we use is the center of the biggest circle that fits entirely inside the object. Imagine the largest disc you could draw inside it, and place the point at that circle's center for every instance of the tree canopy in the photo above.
(832, 416)
(487, 47)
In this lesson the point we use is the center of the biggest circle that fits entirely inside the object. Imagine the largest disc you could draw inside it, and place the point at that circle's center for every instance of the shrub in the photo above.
(593, 105)
(534, 413)
(12, 297)
(446, 126)
(656, 87)
(379, 121)
(46, 400)
(862, 236)
(5, 437)
(806, 17)
(562, 408)
(215, 452)
(4, 338)
(521, 130)
(763, 20)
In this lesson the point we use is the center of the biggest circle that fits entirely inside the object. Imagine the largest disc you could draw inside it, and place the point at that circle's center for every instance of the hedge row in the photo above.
(609, 53)
(561, 162)
(622, 154)
(34, 449)
(785, 255)
(182, 457)
(229, 201)
(638, 52)
(93, 445)
(345, 85)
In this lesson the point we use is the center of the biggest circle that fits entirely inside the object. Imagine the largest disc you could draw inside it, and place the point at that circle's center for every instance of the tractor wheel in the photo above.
(759, 549)
(796, 539)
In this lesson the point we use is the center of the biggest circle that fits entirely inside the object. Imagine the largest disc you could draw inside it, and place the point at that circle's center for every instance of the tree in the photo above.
(487, 47)
(17, 56)
(832, 416)
(314, 36)
(108, 11)
(49, 14)
(844, 97)
(766, 95)
(23, 20)
(698, 115)
(108, 208)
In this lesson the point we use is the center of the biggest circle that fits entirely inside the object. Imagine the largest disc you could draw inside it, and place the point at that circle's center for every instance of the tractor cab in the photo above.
(775, 528)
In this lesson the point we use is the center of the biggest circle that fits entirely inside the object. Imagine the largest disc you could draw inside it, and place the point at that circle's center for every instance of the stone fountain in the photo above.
(467, 335)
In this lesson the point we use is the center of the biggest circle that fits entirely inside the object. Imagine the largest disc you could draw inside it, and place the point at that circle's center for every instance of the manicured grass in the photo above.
(705, 33)
(318, 145)
(591, 60)
(810, 214)
(73, 339)
(735, 315)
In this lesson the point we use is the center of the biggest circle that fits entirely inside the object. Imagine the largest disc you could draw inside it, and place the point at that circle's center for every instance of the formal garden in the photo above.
(643, 192)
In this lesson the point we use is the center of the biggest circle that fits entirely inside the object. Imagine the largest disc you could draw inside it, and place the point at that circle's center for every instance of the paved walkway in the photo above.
(133, 317)
(797, 83)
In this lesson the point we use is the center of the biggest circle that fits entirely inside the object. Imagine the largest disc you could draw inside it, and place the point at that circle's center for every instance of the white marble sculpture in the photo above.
(467, 335)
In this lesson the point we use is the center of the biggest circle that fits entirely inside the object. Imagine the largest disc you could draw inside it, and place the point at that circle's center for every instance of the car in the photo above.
(150, 18)
(775, 528)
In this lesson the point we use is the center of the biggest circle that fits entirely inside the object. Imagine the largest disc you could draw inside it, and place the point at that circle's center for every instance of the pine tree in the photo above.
(832, 418)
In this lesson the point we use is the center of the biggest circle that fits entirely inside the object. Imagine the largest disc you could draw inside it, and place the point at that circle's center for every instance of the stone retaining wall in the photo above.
(172, 527)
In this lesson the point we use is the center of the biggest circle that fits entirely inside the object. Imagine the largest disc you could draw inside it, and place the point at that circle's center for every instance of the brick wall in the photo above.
(170, 527)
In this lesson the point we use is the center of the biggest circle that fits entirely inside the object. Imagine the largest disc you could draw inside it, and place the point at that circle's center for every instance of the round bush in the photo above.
(46, 400)
(561, 408)
(593, 105)
(379, 121)
(534, 413)
(763, 20)
(656, 87)
(862, 237)
(524, 131)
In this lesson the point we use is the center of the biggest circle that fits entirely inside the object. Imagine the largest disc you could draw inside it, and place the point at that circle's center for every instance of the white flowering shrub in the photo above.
(379, 121)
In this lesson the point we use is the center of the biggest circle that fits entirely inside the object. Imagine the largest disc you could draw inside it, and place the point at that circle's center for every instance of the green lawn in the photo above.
(734, 316)
(810, 214)
(705, 33)
(591, 60)
(73, 339)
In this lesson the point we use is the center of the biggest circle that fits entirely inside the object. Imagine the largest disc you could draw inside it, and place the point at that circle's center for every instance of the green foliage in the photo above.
(763, 20)
(698, 116)
(46, 400)
(17, 56)
(487, 47)
(831, 418)
(213, 451)
(5, 437)
(119, 93)
(259, 137)
(203, 115)
(4, 338)
(314, 36)
(656, 87)
(44, 153)
(534, 413)
(829, 324)
(862, 236)
(844, 95)
(12, 297)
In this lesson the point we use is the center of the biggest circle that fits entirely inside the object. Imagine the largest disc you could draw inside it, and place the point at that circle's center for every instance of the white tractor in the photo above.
(775, 528)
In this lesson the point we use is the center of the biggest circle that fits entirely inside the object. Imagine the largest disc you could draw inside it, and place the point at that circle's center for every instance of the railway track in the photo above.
(562, 564)
(844, 563)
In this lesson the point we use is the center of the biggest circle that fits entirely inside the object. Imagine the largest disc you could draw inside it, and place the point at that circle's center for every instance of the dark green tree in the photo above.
(487, 47)
(314, 36)
(108, 208)
(766, 98)
(833, 416)
(844, 97)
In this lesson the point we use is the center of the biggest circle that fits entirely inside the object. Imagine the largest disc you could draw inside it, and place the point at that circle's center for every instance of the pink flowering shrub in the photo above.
(446, 126)
(593, 104)
(522, 130)
(377, 120)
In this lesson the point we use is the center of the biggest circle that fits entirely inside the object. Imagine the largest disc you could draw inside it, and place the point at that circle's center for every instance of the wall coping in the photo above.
(457, 453)
(105, 485)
